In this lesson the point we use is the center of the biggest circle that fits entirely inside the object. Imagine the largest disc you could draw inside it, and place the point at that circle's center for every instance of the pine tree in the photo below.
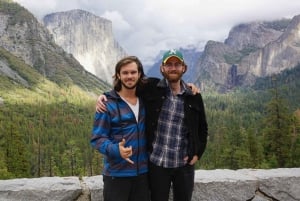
(295, 140)
(277, 138)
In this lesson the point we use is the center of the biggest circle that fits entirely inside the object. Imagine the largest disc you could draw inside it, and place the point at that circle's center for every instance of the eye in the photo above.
(176, 65)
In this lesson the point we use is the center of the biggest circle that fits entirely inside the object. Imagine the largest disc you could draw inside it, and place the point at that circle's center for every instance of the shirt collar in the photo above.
(163, 83)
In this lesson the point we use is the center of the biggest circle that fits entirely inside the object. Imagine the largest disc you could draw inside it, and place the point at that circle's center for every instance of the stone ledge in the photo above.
(210, 185)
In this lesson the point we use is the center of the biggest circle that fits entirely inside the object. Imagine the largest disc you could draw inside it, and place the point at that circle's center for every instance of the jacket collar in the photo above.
(163, 83)
(112, 94)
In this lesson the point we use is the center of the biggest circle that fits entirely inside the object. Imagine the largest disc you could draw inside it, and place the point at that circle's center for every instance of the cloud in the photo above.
(143, 28)
(121, 27)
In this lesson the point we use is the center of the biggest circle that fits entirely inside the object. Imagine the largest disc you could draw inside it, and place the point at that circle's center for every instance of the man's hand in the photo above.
(194, 89)
(100, 104)
(125, 152)
(193, 161)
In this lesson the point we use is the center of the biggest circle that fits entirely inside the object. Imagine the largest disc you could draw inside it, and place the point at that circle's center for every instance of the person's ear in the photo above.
(184, 69)
(161, 69)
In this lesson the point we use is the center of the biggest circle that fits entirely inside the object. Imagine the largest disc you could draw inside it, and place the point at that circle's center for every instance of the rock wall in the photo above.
(88, 38)
(257, 49)
(210, 185)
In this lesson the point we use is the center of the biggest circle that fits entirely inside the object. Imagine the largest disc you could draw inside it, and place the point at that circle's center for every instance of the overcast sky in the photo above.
(144, 27)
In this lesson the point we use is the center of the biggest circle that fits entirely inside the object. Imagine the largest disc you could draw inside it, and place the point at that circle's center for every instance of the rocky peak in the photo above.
(255, 34)
(23, 36)
(278, 55)
(88, 38)
(252, 50)
(292, 33)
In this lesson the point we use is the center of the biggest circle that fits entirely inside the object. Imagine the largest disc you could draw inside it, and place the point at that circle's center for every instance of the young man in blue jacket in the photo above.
(119, 134)
(176, 129)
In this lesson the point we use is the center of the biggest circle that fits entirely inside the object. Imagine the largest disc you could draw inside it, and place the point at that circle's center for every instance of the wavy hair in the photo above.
(124, 61)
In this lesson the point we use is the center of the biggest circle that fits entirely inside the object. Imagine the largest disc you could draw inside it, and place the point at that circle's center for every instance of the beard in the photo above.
(128, 86)
(173, 77)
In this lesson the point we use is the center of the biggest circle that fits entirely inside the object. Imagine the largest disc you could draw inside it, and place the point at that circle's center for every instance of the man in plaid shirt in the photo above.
(176, 128)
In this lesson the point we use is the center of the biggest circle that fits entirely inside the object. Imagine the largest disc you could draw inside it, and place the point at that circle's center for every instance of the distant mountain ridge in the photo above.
(251, 50)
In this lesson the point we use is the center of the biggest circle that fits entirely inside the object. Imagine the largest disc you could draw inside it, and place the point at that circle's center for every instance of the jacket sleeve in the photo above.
(202, 127)
(149, 85)
(100, 139)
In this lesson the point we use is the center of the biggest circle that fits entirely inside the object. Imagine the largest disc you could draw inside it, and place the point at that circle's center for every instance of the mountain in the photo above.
(251, 51)
(88, 38)
(28, 40)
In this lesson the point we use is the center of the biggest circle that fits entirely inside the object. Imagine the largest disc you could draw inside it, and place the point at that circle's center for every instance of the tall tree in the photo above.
(295, 139)
(277, 138)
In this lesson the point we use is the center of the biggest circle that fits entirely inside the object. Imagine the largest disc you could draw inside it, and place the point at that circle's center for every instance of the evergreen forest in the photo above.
(45, 129)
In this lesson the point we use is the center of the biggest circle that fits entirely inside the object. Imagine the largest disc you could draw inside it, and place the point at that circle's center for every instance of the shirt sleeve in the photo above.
(101, 136)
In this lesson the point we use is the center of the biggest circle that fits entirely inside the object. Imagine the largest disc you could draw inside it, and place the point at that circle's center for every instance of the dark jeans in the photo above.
(182, 180)
(126, 188)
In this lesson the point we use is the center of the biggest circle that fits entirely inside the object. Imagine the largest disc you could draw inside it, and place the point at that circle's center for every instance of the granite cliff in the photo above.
(88, 38)
(23, 36)
(252, 50)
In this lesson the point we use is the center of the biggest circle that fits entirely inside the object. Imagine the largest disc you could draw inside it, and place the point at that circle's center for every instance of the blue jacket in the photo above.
(111, 127)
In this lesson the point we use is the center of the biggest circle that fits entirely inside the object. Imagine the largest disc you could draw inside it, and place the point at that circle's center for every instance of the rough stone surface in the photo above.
(6, 70)
(282, 184)
(210, 185)
(256, 49)
(88, 38)
(95, 184)
(215, 185)
(38, 189)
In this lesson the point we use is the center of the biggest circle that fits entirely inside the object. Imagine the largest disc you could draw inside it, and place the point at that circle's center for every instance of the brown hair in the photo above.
(123, 62)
